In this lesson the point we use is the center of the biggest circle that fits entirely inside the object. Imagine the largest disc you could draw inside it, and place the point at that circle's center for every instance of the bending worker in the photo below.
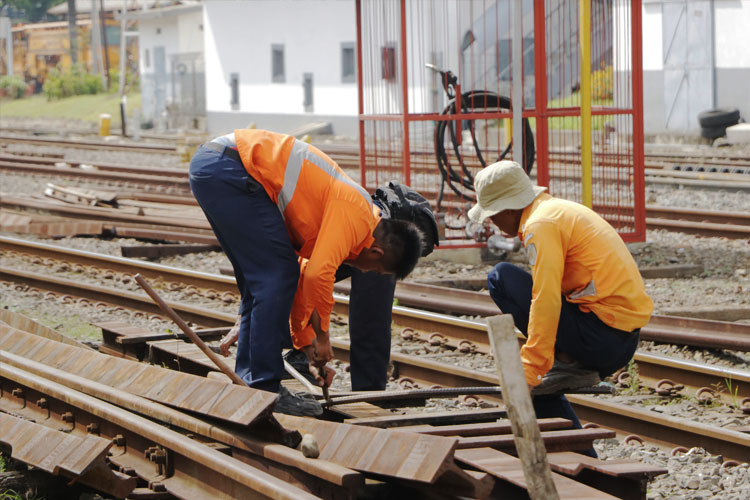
(584, 303)
(287, 217)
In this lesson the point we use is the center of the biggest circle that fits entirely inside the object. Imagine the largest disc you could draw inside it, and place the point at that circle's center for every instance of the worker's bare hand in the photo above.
(315, 369)
(322, 350)
(229, 339)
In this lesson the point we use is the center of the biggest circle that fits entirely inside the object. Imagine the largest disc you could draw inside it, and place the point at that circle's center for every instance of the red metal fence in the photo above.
(435, 139)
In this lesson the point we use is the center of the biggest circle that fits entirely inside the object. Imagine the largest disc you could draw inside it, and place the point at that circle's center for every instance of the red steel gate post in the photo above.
(639, 183)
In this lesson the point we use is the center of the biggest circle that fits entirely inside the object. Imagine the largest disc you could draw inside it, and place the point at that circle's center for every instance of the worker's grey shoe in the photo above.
(292, 404)
(298, 360)
(566, 376)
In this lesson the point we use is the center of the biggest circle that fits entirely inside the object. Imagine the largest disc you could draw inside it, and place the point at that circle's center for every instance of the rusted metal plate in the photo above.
(231, 403)
(508, 468)
(162, 458)
(378, 451)
(561, 440)
(572, 464)
(63, 454)
(50, 450)
(453, 417)
(484, 429)
(21, 322)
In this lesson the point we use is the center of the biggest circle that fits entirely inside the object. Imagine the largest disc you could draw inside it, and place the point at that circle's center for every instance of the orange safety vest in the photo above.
(329, 217)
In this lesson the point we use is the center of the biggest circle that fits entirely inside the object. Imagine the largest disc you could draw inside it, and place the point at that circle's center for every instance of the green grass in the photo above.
(82, 107)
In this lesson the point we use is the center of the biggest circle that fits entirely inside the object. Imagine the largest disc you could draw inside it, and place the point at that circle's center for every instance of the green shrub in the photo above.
(76, 81)
(601, 84)
(131, 81)
(13, 86)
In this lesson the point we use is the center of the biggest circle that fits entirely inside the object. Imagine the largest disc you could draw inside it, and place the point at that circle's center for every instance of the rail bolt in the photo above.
(633, 439)
(745, 405)
(68, 417)
(42, 403)
(18, 392)
(407, 383)
(408, 334)
(470, 400)
(623, 378)
(678, 449)
(705, 395)
(466, 346)
(118, 440)
(229, 298)
(666, 387)
(92, 428)
(158, 456)
(437, 339)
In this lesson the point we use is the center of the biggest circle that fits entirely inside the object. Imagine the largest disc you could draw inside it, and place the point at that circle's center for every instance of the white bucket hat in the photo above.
(502, 186)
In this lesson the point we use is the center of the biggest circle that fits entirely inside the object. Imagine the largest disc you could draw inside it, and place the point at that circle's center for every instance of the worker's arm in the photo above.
(344, 228)
(230, 338)
(544, 248)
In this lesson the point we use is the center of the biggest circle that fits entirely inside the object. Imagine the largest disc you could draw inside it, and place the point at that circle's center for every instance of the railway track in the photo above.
(457, 335)
(171, 186)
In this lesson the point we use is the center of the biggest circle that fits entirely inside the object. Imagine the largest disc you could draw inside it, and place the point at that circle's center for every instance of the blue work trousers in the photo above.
(582, 335)
(370, 310)
(253, 235)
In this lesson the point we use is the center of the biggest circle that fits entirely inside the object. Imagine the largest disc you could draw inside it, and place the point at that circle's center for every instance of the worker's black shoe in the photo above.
(298, 360)
(292, 404)
(566, 376)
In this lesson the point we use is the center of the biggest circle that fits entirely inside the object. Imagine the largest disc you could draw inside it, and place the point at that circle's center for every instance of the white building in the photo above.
(171, 59)
(280, 64)
(696, 56)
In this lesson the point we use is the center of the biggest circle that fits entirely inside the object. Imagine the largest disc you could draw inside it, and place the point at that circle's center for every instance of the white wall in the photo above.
(238, 39)
(732, 33)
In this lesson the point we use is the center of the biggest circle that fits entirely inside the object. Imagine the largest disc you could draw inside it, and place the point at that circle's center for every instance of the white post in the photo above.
(123, 51)
(517, 76)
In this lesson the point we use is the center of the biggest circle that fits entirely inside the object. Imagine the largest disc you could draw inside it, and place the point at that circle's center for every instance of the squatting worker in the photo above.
(584, 303)
(287, 217)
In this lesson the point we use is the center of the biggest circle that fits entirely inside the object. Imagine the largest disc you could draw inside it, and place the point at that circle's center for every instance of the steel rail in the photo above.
(421, 370)
(77, 143)
(273, 456)
(13, 159)
(454, 332)
(221, 476)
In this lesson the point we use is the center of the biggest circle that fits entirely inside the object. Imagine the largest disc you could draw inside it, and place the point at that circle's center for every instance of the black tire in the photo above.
(713, 132)
(720, 117)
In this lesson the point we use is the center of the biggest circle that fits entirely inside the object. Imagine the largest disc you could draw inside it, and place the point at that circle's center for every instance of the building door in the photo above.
(687, 31)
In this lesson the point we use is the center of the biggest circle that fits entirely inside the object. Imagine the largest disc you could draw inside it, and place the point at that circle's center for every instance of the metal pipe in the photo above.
(189, 332)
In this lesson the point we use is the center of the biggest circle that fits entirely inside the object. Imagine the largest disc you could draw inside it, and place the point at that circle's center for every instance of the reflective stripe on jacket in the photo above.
(329, 217)
(575, 253)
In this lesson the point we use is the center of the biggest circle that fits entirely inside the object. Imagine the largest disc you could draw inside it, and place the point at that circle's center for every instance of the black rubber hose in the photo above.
(479, 100)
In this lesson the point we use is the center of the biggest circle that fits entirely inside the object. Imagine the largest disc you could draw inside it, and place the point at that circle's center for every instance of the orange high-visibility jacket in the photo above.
(329, 217)
(575, 253)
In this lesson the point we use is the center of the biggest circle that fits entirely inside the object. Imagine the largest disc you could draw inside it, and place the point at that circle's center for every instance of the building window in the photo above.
(307, 86)
(389, 63)
(234, 84)
(348, 64)
(277, 63)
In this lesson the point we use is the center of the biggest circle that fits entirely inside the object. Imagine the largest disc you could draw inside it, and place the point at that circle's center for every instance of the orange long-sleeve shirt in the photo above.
(328, 216)
(575, 253)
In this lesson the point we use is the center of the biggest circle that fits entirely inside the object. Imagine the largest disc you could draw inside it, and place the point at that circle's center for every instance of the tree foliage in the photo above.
(33, 10)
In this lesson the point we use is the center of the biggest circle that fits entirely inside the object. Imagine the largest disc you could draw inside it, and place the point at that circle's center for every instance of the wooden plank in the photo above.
(526, 433)
(510, 469)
